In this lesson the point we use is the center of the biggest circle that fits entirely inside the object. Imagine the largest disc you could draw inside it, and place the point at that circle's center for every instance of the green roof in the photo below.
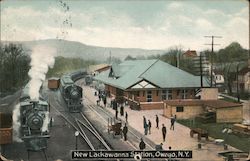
(154, 71)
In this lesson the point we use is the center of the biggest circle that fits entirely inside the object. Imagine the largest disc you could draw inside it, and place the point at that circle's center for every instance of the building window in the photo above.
(143, 93)
(149, 96)
(166, 95)
(157, 93)
(179, 109)
(183, 94)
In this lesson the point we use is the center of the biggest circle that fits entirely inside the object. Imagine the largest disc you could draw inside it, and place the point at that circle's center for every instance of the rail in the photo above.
(78, 125)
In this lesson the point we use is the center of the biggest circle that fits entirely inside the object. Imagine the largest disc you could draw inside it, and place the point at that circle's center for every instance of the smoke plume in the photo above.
(46, 122)
(42, 58)
(16, 123)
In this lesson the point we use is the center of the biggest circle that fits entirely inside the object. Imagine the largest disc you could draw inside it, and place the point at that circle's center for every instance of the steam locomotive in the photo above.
(71, 93)
(34, 119)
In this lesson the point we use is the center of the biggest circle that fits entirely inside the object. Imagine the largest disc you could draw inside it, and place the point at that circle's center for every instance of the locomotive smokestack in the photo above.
(34, 102)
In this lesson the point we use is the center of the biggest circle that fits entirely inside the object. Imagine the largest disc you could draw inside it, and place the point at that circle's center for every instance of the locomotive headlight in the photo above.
(35, 121)
(74, 94)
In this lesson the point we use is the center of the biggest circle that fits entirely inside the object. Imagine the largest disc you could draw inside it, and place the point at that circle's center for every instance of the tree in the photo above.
(130, 58)
(172, 55)
(14, 67)
(228, 59)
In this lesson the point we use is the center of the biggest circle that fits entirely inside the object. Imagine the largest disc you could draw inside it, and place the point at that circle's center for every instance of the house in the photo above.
(95, 69)
(145, 84)
(189, 54)
(243, 82)
(188, 109)
(219, 80)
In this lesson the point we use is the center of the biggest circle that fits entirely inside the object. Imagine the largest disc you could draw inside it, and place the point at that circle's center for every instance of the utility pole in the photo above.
(237, 79)
(211, 56)
(109, 57)
(201, 71)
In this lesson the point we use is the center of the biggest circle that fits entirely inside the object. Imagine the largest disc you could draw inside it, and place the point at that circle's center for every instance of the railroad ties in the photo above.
(81, 124)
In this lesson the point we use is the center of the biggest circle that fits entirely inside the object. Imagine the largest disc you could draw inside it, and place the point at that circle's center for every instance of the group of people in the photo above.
(102, 95)
(146, 123)
(147, 126)
(115, 106)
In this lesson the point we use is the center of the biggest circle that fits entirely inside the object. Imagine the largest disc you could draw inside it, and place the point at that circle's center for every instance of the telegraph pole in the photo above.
(211, 56)
(109, 57)
(201, 72)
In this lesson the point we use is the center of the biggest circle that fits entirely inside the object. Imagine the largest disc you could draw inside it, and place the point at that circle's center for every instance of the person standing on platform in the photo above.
(99, 95)
(157, 121)
(116, 113)
(172, 123)
(142, 145)
(145, 128)
(126, 116)
(144, 121)
(104, 99)
(114, 105)
(164, 132)
(122, 110)
(149, 127)
(125, 131)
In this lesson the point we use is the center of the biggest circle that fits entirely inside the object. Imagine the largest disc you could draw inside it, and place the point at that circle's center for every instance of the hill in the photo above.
(67, 48)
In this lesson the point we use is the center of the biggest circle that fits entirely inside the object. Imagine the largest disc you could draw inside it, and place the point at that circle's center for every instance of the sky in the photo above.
(147, 24)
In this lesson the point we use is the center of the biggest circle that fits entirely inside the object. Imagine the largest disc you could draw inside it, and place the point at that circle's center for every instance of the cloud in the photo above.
(99, 26)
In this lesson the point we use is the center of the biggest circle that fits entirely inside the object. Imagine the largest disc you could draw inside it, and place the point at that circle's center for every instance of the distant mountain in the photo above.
(76, 49)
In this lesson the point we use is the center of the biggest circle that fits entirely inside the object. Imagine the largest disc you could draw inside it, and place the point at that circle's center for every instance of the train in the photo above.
(78, 75)
(88, 80)
(71, 93)
(34, 121)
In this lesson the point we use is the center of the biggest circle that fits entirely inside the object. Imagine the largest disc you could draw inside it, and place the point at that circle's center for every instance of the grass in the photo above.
(215, 130)
(229, 100)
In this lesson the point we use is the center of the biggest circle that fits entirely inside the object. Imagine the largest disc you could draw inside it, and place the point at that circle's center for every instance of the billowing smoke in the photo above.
(46, 122)
(42, 58)
(16, 123)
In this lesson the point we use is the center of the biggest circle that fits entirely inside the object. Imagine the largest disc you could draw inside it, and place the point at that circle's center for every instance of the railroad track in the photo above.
(137, 135)
(80, 123)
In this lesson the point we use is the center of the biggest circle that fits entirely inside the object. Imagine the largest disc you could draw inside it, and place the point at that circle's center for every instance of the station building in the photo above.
(146, 84)
(219, 110)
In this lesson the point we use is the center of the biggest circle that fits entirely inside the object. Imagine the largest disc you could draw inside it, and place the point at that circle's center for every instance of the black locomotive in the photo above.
(34, 119)
(71, 93)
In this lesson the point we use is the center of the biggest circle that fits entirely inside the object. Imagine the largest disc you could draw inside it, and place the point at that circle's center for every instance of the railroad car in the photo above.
(34, 120)
(78, 75)
(88, 80)
(6, 129)
(71, 93)
(53, 83)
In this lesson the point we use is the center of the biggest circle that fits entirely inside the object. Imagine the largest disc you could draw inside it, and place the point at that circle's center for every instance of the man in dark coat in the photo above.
(164, 132)
(122, 110)
(144, 121)
(104, 99)
(146, 129)
(149, 127)
(142, 145)
(172, 123)
(114, 105)
(125, 131)
(157, 121)
(126, 116)
(116, 113)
